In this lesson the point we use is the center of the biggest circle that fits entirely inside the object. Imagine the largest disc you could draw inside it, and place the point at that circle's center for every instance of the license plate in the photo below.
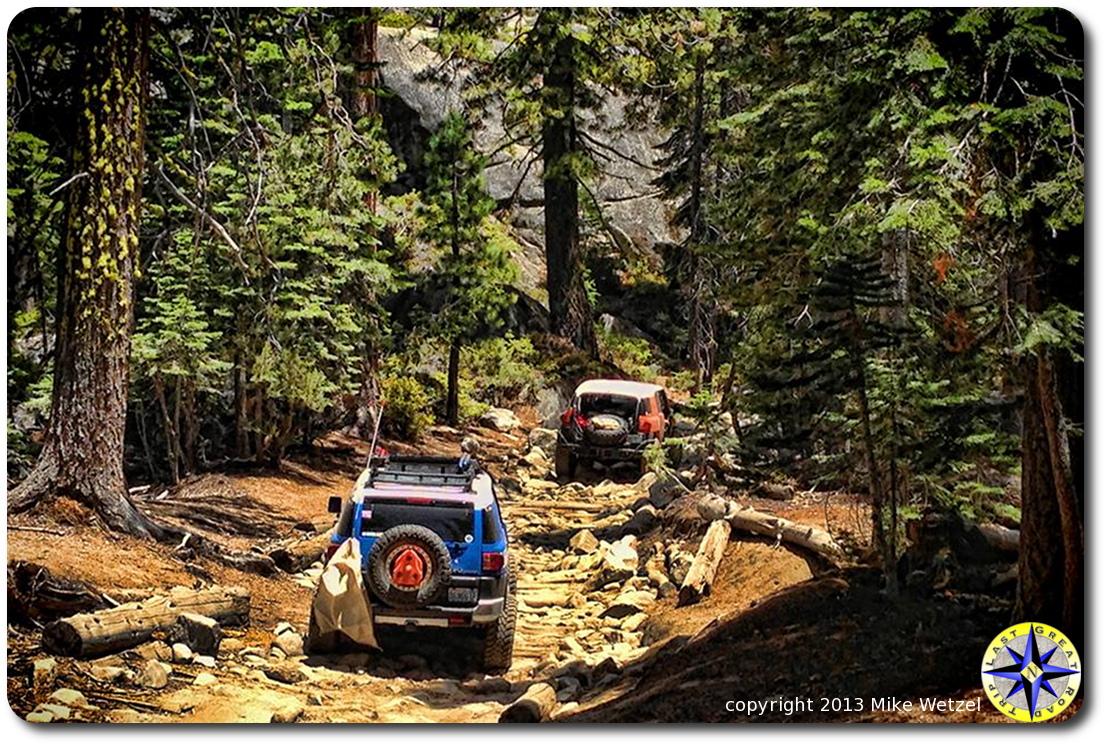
(462, 595)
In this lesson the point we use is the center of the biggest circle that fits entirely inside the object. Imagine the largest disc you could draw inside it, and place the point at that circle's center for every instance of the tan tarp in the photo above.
(340, 609)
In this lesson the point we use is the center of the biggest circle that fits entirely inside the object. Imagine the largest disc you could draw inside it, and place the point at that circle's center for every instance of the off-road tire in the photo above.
(437, 576)
(565, 463)
(499, 637)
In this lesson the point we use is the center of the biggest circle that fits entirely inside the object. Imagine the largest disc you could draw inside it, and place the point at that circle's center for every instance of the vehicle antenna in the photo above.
(373, 444)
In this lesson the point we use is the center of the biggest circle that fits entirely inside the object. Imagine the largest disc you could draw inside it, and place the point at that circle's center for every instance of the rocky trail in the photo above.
(599, 566)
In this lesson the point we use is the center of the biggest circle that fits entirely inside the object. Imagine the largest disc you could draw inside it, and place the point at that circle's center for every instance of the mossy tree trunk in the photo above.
(82, 454)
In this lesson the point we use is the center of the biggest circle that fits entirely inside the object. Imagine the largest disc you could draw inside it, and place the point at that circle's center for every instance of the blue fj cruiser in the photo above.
(434, 547)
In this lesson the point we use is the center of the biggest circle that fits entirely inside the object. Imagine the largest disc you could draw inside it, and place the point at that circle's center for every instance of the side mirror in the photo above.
(334, 504)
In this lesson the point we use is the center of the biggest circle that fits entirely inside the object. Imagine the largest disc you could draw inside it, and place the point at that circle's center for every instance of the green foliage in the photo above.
(407, 410)
(503, 371)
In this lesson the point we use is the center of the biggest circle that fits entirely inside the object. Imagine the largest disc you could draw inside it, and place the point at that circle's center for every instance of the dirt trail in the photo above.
(597, 582)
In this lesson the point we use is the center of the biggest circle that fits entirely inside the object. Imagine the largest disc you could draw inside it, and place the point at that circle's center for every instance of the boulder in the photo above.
(644, 520)
(618, 562)
(154, 675)
(204, 679)
(629, 603)
(584, 542)
(544, 438)
(290, 643)
(204, 660)
(498, 418)
(201, 634)
(536, 459)
(664, 490)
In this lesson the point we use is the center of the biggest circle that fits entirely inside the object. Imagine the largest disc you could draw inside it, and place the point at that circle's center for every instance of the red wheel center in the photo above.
(408, 569)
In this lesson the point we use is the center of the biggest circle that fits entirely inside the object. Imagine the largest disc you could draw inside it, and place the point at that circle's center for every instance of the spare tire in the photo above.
(607, 430)
(412, 553)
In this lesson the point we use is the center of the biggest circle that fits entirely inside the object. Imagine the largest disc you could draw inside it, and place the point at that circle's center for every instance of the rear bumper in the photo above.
(491, 591)
(624, 452)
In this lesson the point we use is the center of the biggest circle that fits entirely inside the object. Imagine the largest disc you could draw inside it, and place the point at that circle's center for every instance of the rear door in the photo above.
(452, 521)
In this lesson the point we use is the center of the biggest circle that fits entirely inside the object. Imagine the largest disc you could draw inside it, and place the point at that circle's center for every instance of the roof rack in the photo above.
(440, 471)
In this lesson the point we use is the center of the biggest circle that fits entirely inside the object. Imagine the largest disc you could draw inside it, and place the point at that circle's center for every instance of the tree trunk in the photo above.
(701, 310)
(570, 312)
(112, 630)
(364, 98)
(885, 551)
(452, 376)
(82, 454)
(1051, 536)
(173, 442)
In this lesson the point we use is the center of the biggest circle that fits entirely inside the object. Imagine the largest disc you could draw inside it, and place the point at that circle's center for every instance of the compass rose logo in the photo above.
(1031, 672)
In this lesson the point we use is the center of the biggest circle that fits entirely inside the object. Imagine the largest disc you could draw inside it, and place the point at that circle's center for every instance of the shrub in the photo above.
(407, 411)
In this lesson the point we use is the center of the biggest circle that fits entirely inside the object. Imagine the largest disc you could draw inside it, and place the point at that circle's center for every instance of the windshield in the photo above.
(451, 523)
(594, 404)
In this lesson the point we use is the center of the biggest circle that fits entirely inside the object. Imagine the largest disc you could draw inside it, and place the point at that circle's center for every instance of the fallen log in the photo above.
(113, 630)
(35, 594)
(701, 575)
(781, 529)
(1003, 539)
(299, 554)
(534, 706)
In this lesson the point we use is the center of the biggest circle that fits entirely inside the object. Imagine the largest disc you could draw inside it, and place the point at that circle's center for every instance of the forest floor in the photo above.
(774, 626)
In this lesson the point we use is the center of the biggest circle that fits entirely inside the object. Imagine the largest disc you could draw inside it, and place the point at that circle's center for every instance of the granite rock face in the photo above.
(638, 218)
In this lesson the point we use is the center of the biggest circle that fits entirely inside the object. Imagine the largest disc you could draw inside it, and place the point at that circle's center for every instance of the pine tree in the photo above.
(470, 286)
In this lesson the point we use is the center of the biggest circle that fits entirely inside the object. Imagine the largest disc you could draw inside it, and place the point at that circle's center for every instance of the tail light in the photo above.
(331, 549)
(567, 416)
(582, 421)
(492, 561)
(644, 426)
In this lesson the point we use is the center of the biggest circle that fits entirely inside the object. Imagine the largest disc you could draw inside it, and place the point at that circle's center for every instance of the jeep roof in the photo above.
(635, 389)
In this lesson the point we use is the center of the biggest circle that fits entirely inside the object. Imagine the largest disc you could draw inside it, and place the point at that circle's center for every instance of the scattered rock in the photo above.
(664, 490)
(544, 438)
(568, 689)
(287, 714)
(628, 603)
(286, 674)
(537, 460)
(618, 562)
(108, 673)
(680, 562)
(290, 643)
(46, 670)
(412, 661)
(315, 699)
(645, 519)
(204, 679)
(201, 634)
(181, 653)
(489, 685)
(40, 716)
(154, 675)
(711, 508)
(281, 628)
(584, 542)
(776, 491)
(60, 712)
(70, 697)
(538, 598)
(204, 660)
(155, 650)
(497, 418)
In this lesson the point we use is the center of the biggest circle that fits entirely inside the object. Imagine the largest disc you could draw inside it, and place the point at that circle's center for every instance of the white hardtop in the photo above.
(635, 389)
(480, 496)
